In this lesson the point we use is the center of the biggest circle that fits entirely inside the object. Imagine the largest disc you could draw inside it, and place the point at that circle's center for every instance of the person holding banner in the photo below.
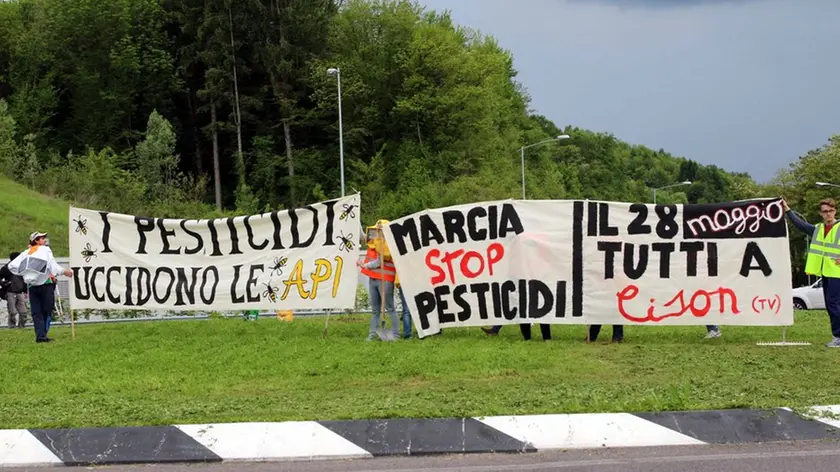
(617, 334)
(406, 315)
(39, 270)
(527, 247)
(381, 272)
(823, 258)
(545, 330)
(492, 331)
(525, 328)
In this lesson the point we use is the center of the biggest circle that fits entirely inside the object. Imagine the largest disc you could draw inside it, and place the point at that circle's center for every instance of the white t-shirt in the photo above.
(36, 268)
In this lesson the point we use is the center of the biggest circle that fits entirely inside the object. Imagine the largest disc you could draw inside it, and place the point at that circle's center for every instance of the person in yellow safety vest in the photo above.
(824, 258)
(381, 279)
(406, 315)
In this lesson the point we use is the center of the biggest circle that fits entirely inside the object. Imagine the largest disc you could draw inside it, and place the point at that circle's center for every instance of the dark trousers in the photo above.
(831, 294)
(41, 302)
(545, 329)
(618, 332)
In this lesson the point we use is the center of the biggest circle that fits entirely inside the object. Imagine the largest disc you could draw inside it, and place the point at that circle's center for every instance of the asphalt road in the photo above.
(823, 456)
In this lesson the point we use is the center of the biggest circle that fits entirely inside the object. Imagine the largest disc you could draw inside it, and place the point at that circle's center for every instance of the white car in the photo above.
(809, 297)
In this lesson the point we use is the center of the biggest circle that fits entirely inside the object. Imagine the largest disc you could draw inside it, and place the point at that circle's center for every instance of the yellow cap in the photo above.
(378, 242)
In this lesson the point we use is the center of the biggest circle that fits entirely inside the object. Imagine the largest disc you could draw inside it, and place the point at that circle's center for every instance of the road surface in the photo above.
(806, 456)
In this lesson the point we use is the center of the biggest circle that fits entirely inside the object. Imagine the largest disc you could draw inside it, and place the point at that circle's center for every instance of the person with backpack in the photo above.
(39, 271)
(13, 290)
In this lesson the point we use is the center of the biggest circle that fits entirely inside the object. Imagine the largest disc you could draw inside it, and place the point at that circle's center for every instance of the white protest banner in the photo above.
(589, 262)
(302, 258)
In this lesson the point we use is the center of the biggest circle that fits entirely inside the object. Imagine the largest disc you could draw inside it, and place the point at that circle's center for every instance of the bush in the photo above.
(95, 181)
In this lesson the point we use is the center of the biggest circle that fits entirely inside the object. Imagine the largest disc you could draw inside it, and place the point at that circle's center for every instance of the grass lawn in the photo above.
(165, 372)
(23, 211)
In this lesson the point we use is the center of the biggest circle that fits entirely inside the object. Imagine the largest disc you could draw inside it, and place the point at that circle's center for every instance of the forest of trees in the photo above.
(194, 108)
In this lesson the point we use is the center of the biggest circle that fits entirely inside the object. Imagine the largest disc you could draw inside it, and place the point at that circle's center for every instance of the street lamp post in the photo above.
(337, 73)
(522, 155)
(687, 182)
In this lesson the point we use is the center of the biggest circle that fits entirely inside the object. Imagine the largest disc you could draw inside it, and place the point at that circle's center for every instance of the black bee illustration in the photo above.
(348, 211)
(88, 252)
(279, 263)
(81, 225)
(347, 243)
(270, 292)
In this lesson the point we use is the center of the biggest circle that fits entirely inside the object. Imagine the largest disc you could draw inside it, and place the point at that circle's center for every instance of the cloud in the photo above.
(717, 81)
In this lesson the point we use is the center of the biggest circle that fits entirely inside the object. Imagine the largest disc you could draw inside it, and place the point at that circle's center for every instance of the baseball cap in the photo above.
(36, 235)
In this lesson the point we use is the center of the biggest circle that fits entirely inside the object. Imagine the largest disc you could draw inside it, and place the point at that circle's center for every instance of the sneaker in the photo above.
(835, 342)
(489, 331)
(713, 334)
(370, 337)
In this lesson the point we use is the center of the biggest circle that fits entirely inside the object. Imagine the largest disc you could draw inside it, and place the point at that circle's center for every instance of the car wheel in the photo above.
(799, 304)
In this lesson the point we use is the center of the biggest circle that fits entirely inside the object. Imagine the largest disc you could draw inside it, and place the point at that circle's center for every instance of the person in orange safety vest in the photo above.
(381, 272)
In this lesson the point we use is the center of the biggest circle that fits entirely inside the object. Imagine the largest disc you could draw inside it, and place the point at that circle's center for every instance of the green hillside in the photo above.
(23, 211)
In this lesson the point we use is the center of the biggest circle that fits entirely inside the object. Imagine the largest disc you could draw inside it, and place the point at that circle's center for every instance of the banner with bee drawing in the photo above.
(302, 258)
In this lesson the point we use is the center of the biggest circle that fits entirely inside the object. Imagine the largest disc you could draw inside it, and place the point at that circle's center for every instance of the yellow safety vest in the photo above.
(822, 252)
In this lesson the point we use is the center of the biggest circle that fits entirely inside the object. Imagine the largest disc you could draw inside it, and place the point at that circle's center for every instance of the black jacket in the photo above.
(9, 282)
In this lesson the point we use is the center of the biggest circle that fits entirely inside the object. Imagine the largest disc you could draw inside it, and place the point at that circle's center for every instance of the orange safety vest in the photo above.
(390, 272)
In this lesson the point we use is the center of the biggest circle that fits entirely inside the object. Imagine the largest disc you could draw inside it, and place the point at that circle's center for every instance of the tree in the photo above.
(797, 184)
(8, 146)
(433, 113)
(156, 160)
(91, 71)
(292, 33)
(9, 16)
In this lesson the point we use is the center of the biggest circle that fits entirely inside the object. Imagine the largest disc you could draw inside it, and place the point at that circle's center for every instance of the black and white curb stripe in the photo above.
(313, 440)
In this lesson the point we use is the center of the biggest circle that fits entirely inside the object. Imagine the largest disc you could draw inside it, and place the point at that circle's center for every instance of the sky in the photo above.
(747, 85)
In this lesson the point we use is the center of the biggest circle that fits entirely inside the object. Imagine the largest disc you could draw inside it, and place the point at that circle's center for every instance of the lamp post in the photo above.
(687, 182)
(337, 73)
(826, 184)
(522, 154)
